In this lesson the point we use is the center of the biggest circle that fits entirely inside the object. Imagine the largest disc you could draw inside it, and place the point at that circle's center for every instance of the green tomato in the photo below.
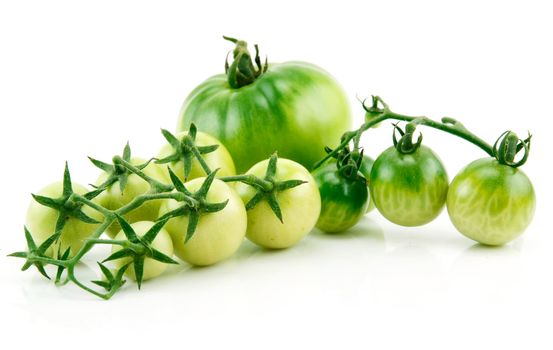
(162, 243)
(344, 201)
(365, 170)
(300, 207)
(218, 159)
(409, 189)
(491, 203)
(218, 235)
(112, 198)
(295, 108)
(41, 222)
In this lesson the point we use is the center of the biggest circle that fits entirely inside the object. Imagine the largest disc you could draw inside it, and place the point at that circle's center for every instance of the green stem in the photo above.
(421, 120)
(158, 186)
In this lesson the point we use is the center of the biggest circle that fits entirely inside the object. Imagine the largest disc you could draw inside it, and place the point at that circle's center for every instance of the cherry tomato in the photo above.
(409, 189)
(344, 200)
(491, 203)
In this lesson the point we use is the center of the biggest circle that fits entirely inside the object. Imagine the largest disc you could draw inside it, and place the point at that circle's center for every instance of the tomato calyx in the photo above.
(195, 204)
(137, 248)
(117, 171)
(65, 205)
(507, 147)
(405, 144)
(241, 71)
(186, 150)
(112, 282)
(348, 162)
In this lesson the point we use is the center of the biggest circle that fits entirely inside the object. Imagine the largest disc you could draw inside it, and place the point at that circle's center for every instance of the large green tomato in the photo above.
(344, 201)
(218, 235)
(41, 221)
(112, 198)
(409, 189)
(218, 159)
(162, 243)
(300, 207)
(294, 108)
(491, 203)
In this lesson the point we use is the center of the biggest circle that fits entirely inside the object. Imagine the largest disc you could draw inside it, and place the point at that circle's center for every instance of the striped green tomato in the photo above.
(491, 203)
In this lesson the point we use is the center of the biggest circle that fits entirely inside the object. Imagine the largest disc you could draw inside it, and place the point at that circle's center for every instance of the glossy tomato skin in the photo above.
(409, 189)
(300, 207)
(344, 201)
(41, 221)
(162, 243)
(218, 235)
(112, 198)
(365, 170)
(491, 203)
(294, 108)
(218, 159)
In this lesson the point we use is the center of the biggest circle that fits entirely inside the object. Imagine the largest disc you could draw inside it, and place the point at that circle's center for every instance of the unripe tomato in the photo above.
(491, 203)
(41, 221)
(344, 200)
(409, 189)
(300, 207)
(218, 235)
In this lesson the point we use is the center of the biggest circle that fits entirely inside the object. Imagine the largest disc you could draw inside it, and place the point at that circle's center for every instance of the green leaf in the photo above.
(193, 219)
(123, 253)
(286, 185)
(153, 231)
(204, 189)
(275, 207)
(127, 152)
(108, 168)
(179, 186)
(138, 265)
(63, 256)
(255, 199)
(47, 243)
(271, 167)
(106, 271)
(46, 201)
(29, 238)
(67, 187)
(127, 229)
(79, 214)
(187, 163)
(207, 149)
(215, 207)
(93, 194)
(103, 284)
(175, 157)
(180, 211)
(41, 269)
(192, 131)
(123, 178)
(60, 223)
(173, 141)
(19, 255)
(159, 256)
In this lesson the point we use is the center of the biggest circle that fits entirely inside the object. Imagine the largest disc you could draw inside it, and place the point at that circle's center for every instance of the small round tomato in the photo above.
(41, 221)
(300, 206)
(365, 170)
(218, 235)
(217, 159)
(162, 243)
(344, 200)
(491, 203)
(409, 189)
(112, 198)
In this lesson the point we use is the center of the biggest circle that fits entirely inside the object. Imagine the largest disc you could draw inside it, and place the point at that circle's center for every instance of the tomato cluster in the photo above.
(190, 202)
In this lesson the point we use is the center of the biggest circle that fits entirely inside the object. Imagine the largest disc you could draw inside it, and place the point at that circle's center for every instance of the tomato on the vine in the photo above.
(217, 159)
(491, 203)
(113, 198)
(41, 221)
(162, 243)
(218, 235)
(409, 189)
(344, 199)
(300, 206)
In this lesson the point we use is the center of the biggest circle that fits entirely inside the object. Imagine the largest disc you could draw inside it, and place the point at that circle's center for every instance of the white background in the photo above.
(82, 78)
